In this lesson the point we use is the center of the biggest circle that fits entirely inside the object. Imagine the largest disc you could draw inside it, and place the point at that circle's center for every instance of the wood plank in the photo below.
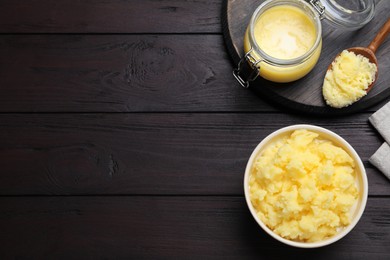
(165, 227)
(110, 16)
(152, 153)
(119, 73)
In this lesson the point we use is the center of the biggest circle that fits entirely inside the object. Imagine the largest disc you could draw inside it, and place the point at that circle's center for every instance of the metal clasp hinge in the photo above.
(243, 66)
(318, 7)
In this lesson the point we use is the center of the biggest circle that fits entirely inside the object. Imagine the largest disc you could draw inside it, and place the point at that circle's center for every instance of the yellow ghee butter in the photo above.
(348, 79)
(303, 187)
(284, 32)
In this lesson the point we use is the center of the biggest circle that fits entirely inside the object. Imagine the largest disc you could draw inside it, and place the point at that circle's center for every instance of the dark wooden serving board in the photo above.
(305, 95)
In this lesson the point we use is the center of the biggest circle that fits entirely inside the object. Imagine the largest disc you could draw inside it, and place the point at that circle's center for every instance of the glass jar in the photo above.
(283, 40)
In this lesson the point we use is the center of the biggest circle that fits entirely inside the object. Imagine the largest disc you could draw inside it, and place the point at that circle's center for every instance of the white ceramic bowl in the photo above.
(362, 183)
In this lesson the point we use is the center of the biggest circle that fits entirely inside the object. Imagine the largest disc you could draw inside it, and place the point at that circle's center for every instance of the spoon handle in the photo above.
(380, 37)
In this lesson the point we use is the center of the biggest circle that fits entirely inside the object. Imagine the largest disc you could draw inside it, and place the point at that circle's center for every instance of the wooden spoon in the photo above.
(369, 52)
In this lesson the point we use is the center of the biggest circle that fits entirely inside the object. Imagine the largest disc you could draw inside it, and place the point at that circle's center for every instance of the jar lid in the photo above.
(347, 15)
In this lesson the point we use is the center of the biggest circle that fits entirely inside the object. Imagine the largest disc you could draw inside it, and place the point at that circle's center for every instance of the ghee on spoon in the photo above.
(338, 89)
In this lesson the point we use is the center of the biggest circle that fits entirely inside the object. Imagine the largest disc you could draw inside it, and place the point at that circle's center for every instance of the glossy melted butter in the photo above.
(285, 32)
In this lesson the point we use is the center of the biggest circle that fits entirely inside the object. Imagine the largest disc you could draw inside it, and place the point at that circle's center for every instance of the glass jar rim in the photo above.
(303, 5)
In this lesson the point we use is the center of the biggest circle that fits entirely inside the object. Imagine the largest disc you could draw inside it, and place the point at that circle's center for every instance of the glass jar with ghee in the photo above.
(283, 40)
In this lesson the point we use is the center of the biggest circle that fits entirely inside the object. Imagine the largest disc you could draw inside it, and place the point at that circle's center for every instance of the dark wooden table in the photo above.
(124, 135)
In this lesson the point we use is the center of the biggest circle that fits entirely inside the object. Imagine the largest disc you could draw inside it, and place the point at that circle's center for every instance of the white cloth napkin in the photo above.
(381, 121)
(381, 159)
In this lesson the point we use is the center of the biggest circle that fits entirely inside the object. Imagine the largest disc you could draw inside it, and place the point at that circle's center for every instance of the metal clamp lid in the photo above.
(318, 7)
(247, 69)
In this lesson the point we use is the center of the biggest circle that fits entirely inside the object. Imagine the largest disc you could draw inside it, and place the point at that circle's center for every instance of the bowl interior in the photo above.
(361, 182)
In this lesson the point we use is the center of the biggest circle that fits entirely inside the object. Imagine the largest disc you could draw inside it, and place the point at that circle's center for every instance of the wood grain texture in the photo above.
(166, 227)
(119, 73)
(123, 134)
(177, 154)
(110, 16)
(305, 95)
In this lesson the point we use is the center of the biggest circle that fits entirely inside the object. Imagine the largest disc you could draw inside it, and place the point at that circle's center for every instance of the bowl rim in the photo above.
(346, 146)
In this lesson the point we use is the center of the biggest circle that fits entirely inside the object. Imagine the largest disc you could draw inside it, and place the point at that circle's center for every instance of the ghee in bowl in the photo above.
(305, 186)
